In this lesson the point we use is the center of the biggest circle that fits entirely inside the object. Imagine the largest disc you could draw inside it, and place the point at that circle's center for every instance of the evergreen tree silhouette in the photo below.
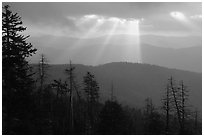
(16, 76)
(91, 89)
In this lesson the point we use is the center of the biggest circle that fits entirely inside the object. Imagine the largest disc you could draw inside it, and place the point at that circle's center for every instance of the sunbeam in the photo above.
(130, 29)
(105, 44)
(92, 26)
(80, 43)
(133, 51)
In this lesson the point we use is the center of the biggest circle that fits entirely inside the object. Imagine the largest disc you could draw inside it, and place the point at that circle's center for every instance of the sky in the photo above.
(80, 24)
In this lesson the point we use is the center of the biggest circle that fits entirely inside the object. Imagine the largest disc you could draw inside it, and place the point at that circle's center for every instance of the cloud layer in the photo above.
(92, 25)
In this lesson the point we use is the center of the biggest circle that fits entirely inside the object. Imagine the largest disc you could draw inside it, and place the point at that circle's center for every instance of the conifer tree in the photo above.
(91, 89)
(16, 74)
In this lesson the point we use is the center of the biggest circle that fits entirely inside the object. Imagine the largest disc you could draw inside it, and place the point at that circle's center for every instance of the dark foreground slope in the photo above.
(134, 82)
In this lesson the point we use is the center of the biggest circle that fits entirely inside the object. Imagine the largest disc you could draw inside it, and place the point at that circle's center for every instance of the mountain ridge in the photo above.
(133, 82)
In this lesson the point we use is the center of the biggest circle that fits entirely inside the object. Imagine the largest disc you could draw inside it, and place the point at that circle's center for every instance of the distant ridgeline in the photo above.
(133, 82)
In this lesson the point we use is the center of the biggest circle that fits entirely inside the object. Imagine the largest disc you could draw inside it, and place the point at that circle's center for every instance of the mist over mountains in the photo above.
(161, 58)
(133, 82)
(184, 58)
(183, 53)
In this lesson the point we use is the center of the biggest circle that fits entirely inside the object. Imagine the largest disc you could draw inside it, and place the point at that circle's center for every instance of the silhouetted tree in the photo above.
(42, 71)
(174, 92)
(91, 89)
(61, 87)
(167, 107)
(180, 97)
(183, 104)
(72, 87)
(16, 76)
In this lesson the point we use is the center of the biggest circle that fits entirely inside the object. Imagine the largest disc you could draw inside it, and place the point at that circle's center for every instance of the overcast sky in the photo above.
(63, 18)
(92, 20)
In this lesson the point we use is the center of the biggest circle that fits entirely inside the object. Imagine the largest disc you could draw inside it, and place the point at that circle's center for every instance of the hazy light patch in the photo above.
(129, 27)
(132, 27)
(90, 33)
(186, 21)
(87, 18)
(133, 50)
(196, 17)
(113, 19)
(86, 22)
(111, 32)
(100, 20)
(91, 16)
(178, 15)
(91, 26)
(106, 42)
(87, 26)
(170, 33)
(123, 21)
(38, 30)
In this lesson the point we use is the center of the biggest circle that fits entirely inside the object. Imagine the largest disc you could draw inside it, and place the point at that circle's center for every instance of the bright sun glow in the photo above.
(178, 15)
(133, 51)
(110, 27)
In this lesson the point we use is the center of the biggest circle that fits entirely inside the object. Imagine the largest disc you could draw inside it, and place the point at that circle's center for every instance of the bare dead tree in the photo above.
(183, 99)
(175, 98)
(72, 87)
(71, 117)
(167, 106)
(42, 69)
(180, 97)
